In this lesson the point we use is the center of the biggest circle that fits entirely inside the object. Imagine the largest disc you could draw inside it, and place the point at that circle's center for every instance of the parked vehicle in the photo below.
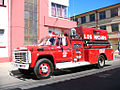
(76, 47)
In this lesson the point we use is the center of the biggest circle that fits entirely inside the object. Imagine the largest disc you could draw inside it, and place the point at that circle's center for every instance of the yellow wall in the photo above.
(114, 44)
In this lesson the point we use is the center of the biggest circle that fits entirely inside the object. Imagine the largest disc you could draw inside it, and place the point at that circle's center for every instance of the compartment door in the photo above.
(78, 51)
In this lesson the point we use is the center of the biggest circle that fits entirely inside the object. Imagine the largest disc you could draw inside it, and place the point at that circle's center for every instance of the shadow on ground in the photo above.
(18, 75)
(75, 70)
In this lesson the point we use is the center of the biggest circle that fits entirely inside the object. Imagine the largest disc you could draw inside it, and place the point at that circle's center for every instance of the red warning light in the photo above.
(53, 33)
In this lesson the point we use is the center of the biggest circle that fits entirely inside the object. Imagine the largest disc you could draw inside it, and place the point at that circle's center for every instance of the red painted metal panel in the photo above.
(78, 50)
(91, 56)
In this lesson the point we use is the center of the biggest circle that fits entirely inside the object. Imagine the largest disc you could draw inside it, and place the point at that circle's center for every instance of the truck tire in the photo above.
(101, 61)
(25, 72)
(43, 68)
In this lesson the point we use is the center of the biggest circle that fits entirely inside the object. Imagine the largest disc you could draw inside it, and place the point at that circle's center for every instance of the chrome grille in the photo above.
(21, 56)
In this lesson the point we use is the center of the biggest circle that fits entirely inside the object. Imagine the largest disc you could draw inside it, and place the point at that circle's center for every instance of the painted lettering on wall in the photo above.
(102, 51)
(87, 36)
(98, 37)
(95, 37)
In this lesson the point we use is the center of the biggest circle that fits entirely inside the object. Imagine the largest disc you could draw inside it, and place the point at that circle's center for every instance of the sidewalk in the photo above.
(117, 57)
(5, 74)
(5, 68)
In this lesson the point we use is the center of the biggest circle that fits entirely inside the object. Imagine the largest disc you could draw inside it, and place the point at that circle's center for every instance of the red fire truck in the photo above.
(76, 47)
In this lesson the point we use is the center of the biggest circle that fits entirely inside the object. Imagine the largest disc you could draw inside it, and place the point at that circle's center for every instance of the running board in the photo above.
(64, 65)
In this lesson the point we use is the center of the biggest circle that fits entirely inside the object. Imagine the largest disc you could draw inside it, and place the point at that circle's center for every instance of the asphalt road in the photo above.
(108, 80)
(80, 78)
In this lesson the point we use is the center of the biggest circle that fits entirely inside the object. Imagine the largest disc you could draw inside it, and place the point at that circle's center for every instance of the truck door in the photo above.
(78, 51)
(64, 51)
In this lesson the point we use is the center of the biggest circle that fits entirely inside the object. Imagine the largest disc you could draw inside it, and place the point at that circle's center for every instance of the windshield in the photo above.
(47, 41)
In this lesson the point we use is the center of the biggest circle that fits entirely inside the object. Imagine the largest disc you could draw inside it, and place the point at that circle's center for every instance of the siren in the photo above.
(53, 33)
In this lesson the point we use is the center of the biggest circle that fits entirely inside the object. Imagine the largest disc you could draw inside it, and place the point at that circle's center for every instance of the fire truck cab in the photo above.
(75, 47)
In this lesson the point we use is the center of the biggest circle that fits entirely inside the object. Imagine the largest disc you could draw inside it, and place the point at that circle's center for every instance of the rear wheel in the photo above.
(43, 68)
(101, 61)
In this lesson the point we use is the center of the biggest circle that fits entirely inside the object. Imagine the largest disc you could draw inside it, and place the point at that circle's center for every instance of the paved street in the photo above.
(84, 78)
(108, 80)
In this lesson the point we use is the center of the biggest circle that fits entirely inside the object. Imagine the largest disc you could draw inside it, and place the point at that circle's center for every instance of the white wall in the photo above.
(61, 2)
(4, 25)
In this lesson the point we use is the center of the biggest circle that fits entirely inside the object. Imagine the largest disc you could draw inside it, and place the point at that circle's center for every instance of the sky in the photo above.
(81, 6)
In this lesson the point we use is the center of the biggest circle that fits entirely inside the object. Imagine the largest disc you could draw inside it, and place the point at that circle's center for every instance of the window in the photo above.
(53, 11)
(1, 31)
(77, 44)
(31, 22)
(96, 32)
(103, 27)
(102, 15)
(83, 19)
(115, 27)
(47, 41)
(58, 10)
(61, 42)
(76, 19)
(1, 2)
(55, 30)
(114, 12)
(92, 17)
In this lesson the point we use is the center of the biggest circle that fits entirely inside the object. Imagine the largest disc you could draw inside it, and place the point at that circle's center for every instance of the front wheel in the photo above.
(101, 61)
(43, 68)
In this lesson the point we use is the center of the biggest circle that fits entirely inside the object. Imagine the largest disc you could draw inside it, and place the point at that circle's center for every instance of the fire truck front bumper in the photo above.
(21, 66)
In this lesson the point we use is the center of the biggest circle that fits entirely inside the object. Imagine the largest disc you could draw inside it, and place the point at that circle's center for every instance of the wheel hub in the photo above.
(45, 69)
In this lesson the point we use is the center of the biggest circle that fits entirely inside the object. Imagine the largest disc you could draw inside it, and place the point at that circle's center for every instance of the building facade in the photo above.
(107, 18)
(25, 22)
(4, 31)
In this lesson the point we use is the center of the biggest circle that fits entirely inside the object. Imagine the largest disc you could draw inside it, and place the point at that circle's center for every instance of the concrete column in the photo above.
(108, 13)
(79, 20)
(119, 27)
(109, 29)
(98, 16)
(119, 11)
(87, 18)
